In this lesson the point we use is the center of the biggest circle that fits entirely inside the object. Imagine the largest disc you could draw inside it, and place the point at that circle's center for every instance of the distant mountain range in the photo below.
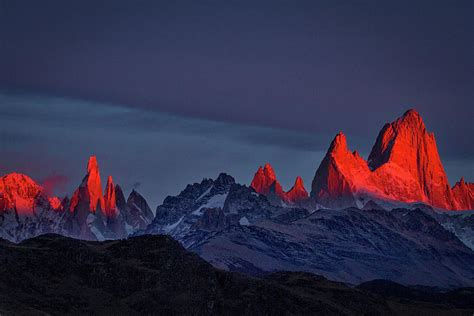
(26, 210)
(404, 167)
(390, 217)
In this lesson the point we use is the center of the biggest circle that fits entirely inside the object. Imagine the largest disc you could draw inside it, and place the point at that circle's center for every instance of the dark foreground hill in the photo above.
(51, 274)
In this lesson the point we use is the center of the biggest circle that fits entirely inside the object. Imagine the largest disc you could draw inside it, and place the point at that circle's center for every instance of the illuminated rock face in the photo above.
(266, 183)
(463, 193)
(403, 166)
(19, 192)
(264, 179)
(27, 211)
(90, 189)
(297, 192)
(109, 198)
(55, 203)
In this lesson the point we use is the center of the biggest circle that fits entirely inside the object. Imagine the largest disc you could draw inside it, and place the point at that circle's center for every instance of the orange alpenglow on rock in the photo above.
(265, 182)
(19, 192)
(90, 188)
(55, 203)
(463, 193)
(403, 166)
(110, 207)
(297, 192)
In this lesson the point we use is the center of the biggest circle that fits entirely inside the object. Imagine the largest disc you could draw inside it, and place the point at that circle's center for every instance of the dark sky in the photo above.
(274, 79)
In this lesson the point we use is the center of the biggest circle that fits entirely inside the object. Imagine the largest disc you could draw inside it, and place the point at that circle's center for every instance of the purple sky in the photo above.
(275, 80)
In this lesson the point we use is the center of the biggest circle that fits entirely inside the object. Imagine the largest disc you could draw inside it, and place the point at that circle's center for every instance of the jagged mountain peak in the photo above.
(265, 182)
(90, 189)
(299, 182)
(19, 184)
(263, 179)
(403, 166)
(339, 143)
(402, 139)
(109, 198)
(412, 114)
(224, 179)
(19, 192)
(463, 193)
(92, 165)
(297, 192)
(119, 197)
(268, 171)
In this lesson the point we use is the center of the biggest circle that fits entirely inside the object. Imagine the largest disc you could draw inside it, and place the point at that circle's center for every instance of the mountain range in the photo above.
(403, 168)
(389, 217)
(55, 275)
(27, 211)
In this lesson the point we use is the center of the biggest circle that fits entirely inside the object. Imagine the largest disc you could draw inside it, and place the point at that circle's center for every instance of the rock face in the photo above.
(113, 217)
(211, 206)
(236, 229)
(266, 183)
(264, 179)
(19, 192)
(136, 212)
(90, 189)
(463, 193)
(109, 198)
(26, 210)
(403, 166)
(351, 245)
(298, 192)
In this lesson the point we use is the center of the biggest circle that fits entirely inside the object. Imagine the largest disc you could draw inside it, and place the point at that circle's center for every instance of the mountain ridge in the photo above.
(156, 275)
(403, 167)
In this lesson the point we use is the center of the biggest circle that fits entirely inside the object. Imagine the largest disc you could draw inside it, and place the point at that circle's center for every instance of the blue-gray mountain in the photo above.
(236, 229)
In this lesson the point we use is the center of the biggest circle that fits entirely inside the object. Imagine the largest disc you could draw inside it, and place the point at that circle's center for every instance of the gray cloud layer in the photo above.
(48, 136)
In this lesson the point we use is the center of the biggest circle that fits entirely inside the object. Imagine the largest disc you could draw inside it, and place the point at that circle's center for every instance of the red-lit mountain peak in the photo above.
(269, 172)
(19, 192)
(110, 206)
(55, 203)
(404, 166)
(263, 180)
(338, 144)
(297, 193)
(90, 189)
(92, 165)
(339, 173)
(408, 145)
(266, 183)
(463, 193)
(406, 135)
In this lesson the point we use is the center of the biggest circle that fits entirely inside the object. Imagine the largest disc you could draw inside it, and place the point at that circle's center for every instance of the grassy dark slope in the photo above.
(51, 274)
